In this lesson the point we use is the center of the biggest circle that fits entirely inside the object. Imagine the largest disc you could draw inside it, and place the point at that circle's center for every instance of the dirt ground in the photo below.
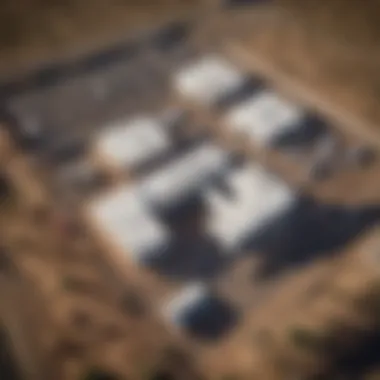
(85, 318)
(38, 31)
(329, 47)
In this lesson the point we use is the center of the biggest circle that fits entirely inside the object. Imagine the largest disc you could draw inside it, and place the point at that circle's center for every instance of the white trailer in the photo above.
(126, 145)
(207, 80)
(264, 117)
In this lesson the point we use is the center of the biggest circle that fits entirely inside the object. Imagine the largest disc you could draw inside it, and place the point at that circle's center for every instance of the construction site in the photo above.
(191, 196)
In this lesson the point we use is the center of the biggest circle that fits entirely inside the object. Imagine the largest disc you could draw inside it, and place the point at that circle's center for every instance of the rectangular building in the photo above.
(127, 224)
(184, 177)
(207, 80)
(264, 117)
(127, 145)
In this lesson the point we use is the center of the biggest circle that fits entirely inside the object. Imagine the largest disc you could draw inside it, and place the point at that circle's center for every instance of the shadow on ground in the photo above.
(310, 231)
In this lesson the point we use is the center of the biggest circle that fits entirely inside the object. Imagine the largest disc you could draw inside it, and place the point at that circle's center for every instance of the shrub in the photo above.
(305, 339)
(98, 374)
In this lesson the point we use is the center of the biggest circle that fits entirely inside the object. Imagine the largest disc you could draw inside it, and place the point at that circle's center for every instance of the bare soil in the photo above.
(38, 31)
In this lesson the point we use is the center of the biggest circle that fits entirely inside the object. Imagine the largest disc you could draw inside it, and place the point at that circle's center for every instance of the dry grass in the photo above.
(36, 30)
(64, 307)
(341, 36)
(349, 22)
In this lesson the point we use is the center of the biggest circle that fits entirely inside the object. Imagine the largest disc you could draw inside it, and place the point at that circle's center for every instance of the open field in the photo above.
(36, 32)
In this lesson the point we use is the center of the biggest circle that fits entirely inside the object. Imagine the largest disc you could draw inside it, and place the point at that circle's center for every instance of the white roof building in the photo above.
(185, 176)
(257, 199)
(207, 80)
(129, 144)
(126, 223)
(264, 117)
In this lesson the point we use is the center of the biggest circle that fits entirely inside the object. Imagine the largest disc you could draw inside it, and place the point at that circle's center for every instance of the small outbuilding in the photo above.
(264, 117)
(207, 80)
(127, 145)
(201, 313)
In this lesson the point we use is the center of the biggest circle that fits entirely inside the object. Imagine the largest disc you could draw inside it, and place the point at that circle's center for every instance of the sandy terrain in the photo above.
(84, 316)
